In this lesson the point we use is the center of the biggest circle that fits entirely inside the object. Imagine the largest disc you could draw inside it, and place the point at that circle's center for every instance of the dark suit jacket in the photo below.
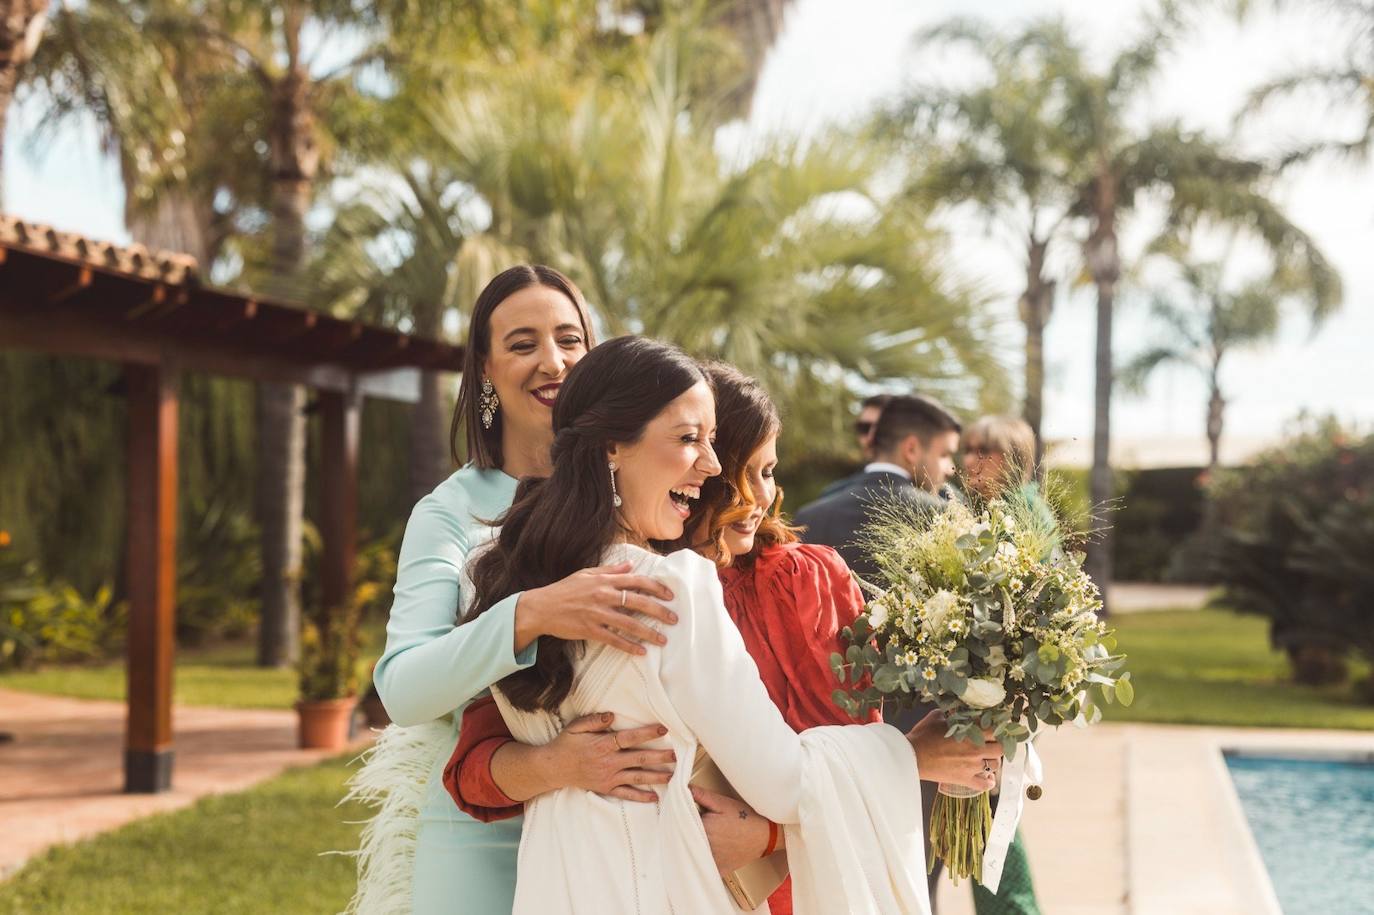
(837, 519)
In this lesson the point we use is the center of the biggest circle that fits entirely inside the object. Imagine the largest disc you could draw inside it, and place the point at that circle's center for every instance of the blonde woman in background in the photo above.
(999, 462)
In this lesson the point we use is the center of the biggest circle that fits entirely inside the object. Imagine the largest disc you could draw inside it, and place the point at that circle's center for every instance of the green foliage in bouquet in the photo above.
(982, 613)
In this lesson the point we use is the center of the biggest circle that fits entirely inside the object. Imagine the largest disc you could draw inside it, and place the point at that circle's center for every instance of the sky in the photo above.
(837, 59)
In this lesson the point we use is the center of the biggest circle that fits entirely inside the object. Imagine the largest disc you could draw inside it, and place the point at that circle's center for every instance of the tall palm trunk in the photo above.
(173, 222)
(281, 420)
(21, 27)
(429, 447)
(1104, 264)
(1035, 305)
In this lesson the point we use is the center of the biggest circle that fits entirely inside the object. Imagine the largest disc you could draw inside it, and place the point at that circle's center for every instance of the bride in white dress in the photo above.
(633, 423)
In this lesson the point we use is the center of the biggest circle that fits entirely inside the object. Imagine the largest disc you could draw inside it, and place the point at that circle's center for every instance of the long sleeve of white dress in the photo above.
(849, 796)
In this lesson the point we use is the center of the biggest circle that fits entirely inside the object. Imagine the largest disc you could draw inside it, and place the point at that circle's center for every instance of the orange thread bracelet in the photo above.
(772, 839)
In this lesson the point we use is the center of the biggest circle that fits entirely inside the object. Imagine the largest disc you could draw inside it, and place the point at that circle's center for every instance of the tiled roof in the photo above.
(163, 266)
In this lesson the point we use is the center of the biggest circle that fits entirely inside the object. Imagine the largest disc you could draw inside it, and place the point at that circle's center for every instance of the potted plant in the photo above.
(329, 678)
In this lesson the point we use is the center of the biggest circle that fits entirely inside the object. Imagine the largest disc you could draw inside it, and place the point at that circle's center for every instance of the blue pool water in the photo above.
(1314, 824)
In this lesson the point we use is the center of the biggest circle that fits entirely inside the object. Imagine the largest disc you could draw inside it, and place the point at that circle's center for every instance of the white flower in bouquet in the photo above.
(997, 657)
(984, 692)
(937, 610)
(984, 614)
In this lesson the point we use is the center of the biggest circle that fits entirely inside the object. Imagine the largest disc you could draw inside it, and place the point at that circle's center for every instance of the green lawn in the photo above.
(252, 853)
(1216, 667)
(223, 676)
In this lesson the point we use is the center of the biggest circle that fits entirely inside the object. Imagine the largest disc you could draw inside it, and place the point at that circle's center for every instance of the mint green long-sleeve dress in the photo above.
(432, 667)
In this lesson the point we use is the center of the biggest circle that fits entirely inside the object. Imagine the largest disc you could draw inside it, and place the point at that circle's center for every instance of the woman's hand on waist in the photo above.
(591, 756)
(736, 832)
(597, 604)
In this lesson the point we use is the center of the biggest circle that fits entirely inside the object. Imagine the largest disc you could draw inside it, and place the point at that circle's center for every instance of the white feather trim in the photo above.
(394, 777)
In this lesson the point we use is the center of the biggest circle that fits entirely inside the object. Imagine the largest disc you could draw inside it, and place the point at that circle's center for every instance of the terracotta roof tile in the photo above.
(164, 266)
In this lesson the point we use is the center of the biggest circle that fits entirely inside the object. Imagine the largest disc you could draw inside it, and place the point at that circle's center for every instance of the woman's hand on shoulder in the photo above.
(591, 756)
(598, 605)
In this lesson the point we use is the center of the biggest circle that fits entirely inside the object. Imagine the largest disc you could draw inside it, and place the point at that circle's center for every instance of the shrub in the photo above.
(330, 646)
(43, 620)
(1291, 528)
(219, 567)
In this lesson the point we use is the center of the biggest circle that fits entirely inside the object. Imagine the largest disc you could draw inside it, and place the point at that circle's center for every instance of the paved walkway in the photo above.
(1144, 820)
(61, 778)
(1142, 596)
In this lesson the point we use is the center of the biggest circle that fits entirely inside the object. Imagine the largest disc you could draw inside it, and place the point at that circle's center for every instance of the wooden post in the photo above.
(340, 419)
(152, 538)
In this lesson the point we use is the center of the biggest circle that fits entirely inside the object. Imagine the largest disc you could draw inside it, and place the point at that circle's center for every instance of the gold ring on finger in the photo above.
(623, 597)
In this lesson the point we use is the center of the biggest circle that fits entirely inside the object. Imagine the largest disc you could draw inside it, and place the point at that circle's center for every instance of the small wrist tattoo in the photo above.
(743, 814)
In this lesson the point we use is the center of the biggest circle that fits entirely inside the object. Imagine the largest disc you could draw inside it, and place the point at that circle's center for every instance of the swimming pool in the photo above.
(1313, 821)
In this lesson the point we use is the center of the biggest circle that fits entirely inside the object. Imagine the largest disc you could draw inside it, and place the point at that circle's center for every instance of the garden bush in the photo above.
(1293, 544)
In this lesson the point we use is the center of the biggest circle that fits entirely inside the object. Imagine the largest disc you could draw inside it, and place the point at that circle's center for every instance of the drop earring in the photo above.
(615, 496)
(488, 403)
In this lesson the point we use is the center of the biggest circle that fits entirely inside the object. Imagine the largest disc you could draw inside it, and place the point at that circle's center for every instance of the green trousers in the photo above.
(1016, 893)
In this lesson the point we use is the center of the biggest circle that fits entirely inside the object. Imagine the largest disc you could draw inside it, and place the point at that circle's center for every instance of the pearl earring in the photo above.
(615, 496)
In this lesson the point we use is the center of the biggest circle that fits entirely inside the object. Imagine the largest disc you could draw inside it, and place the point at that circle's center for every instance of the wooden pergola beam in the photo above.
(152, 537)
(340, 422)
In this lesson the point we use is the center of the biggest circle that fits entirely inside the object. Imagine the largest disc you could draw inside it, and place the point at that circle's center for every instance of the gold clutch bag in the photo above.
(752, 884)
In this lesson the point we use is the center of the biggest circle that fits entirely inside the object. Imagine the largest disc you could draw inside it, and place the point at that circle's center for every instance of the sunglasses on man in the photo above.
(862, 427)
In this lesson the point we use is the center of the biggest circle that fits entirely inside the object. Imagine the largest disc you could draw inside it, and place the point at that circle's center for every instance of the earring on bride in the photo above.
(488, 403)
(615, 496)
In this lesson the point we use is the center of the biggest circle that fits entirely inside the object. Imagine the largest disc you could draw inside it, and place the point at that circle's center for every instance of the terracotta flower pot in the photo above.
(324, 722)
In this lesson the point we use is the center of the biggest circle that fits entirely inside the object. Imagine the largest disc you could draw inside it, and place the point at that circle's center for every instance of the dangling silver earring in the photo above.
(488, 403)
(615, 496)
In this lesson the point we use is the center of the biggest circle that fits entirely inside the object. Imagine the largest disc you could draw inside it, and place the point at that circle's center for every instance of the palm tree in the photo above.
(1203, 318)
(1118, 164)
(405, 253)
(250, 65)
(21, 29)
(760, 264)
(1002, 158)
(1350, 80)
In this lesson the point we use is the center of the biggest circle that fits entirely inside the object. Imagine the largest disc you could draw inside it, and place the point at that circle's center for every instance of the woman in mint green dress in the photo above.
(529, 327)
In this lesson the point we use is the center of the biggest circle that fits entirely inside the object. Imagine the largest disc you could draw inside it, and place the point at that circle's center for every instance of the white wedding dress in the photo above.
(849, 797)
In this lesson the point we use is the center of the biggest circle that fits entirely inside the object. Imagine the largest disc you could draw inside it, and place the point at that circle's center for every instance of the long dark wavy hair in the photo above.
(484, 445)
(565, 523)
(746, 417)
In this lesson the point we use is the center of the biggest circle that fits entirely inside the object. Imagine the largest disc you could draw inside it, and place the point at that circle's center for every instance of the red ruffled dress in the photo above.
(789, 604)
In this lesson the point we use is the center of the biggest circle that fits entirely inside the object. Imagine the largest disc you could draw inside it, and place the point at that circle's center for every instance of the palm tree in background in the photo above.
(21, 30)
(994, 146)
(788, 265)
(1349, 81)
(1119, 170)
(1205, 315)
(215, 104)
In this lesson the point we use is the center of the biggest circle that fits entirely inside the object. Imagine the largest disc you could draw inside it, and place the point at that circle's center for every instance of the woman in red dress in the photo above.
(790, 600)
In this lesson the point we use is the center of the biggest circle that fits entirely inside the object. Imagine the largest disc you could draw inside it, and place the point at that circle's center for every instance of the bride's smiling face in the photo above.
(659, 477)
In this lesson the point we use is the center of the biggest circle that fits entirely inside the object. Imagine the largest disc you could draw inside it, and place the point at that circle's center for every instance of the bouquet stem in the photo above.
(959, 828)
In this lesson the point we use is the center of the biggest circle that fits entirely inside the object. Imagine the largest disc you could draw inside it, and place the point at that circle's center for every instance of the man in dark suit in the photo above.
(914, 443)
(864, 427)
(913, 458)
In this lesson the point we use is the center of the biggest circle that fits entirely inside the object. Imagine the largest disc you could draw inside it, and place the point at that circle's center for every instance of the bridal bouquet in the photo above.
(983, 614)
